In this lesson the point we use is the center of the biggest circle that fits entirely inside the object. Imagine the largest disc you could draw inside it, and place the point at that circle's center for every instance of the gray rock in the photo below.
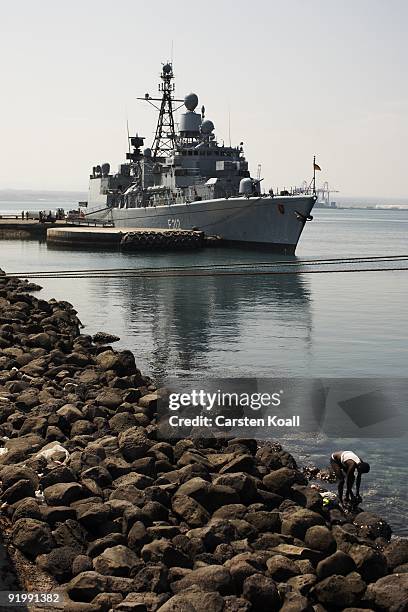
(370, 525)
(281, 568)
(194, 599)
(236, 604)
(297, 523)
(338, 563)
(320, 538)
(107, 601)
(58, 475)
(370, 563)
(58, 563)
(81, 563)
(138, 536)
(262, 592)
(303, 583)
(57, 514)
(116, 561)
(337, 592)
(91, 515)
(27, 508)
(97, 547)
(63, 494)
(133, 443)
(19, 490)
(10, 475)
(109, 397)
(280, 481)
(32, 537)
(396, 553)
(295, 602)
(389, 593)
(153, 578)
(162, 551)
(264, 521)
(190, 511)
(209, 578)
(141, 602)
(86, 586)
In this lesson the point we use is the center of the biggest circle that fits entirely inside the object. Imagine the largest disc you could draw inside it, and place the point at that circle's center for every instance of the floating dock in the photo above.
(129, 239)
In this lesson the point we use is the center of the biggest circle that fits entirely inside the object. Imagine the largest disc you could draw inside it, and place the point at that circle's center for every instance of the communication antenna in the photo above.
(127, 132)
(229, 125)
(258, 172)
(165, 137)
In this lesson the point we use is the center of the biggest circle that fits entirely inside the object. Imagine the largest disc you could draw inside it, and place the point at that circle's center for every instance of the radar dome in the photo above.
(167, 68)
(191, 101)
(207, 126)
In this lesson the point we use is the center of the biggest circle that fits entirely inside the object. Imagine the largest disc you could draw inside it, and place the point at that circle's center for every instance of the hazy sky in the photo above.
(299, 77)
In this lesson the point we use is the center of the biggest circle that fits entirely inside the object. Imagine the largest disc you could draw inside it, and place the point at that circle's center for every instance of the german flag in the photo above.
(316, 166)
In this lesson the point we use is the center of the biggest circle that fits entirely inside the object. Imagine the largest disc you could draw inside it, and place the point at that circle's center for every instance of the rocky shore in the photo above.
(96, 506)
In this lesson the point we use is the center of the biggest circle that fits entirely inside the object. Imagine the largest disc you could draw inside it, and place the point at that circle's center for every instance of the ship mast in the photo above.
(164, 141)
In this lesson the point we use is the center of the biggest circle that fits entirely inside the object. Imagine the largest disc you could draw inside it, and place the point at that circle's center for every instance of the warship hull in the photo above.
(274, 223)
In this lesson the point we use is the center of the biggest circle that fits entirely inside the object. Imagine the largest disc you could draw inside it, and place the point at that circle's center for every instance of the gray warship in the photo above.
(187, 180)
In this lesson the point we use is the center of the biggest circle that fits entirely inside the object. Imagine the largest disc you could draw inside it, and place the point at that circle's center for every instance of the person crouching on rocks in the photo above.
(345, 464)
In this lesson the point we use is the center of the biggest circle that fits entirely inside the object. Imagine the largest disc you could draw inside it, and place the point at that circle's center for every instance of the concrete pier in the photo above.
(23, 229)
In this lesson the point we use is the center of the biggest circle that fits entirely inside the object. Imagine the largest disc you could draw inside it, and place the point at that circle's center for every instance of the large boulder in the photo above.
(396, 553)
(371, 526)
(11, 474)
(19, 490)
(32, 537)
(297, 523)
(163, 551)
(86, 586)
(190, 511)
(262, 592)
(338, 563)
(389, 593)
(337, 592)
(281, 568)
(320, 538)
(122, 363)
(280, 480)
(208, 578)
(116, 561)
(370, 563)
(63, 494)
(194, 599)
(58, 562)
(134, 443)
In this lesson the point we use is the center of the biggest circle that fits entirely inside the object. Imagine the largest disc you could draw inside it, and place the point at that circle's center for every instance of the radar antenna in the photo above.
(165, 138)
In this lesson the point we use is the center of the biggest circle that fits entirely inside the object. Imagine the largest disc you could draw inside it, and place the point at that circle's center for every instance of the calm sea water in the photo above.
(320, 325)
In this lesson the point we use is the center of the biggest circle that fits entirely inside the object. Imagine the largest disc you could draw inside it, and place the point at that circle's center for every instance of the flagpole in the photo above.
(314, 175)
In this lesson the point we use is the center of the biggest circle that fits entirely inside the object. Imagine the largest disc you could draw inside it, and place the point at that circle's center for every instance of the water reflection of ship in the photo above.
(190, 317)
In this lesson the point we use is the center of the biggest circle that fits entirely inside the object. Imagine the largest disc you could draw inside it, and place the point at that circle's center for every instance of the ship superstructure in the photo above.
(186, 179)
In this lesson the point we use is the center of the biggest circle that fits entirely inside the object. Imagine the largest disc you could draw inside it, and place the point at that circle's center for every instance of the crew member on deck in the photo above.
(345, 464)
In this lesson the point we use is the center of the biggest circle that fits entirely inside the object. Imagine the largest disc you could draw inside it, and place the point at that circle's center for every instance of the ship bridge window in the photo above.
(195, 152)
(189, 152)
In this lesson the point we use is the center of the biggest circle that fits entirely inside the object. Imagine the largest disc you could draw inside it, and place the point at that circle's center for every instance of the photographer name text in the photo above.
(176, 420)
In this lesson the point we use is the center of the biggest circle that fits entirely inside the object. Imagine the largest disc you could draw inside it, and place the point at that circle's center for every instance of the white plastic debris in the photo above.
(52, 452)
(3, 451)
(39, 495)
